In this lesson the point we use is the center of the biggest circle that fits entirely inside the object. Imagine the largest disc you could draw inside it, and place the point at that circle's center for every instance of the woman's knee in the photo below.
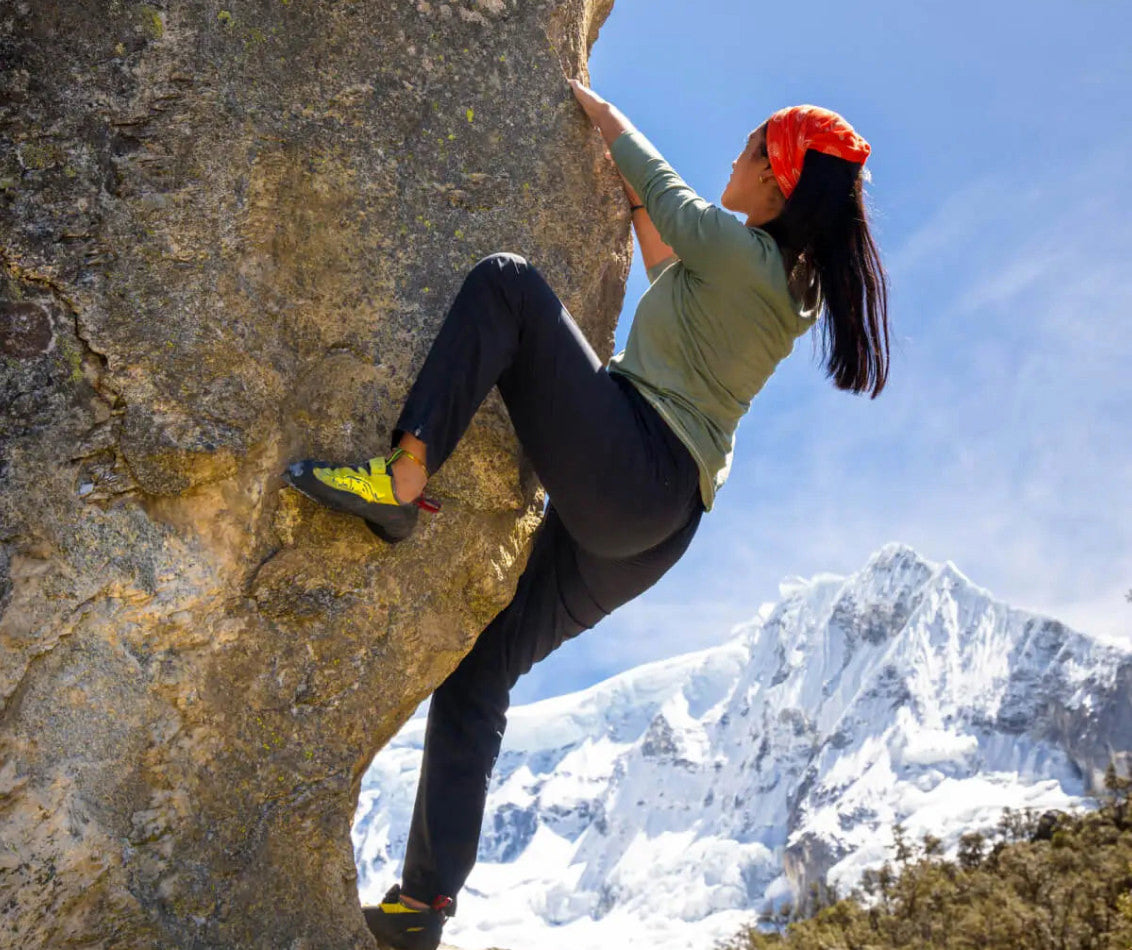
(501, 264)
(510, 278)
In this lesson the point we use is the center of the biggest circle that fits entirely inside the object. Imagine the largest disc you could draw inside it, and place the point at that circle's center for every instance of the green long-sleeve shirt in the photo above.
(716, 319)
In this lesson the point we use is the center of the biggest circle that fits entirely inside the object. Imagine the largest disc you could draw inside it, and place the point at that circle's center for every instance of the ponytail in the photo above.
(832, 261)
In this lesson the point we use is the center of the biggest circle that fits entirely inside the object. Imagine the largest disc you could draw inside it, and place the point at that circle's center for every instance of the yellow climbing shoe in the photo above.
(370, 482)
(365, 490)
(405, 928)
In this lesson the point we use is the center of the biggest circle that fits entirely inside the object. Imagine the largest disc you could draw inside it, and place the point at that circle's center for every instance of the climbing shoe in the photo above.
(405, 928)
(365, 491)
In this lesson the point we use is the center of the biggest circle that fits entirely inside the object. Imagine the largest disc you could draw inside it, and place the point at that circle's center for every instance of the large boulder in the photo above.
(229, 230)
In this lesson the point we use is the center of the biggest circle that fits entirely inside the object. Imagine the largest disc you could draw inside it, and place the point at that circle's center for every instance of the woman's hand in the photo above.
(608, 119)
(594, 106)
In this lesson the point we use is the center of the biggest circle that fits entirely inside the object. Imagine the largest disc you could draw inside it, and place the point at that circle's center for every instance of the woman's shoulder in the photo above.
(765, 258)
(766, 248)
(771, 277)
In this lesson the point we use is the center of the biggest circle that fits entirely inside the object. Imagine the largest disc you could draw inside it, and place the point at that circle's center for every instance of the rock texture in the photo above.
(228, 233)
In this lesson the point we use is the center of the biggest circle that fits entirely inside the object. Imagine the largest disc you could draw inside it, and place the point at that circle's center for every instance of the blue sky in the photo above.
(1002, 204)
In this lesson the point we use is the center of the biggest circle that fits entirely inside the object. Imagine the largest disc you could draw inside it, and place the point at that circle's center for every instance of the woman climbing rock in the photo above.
(631, 454)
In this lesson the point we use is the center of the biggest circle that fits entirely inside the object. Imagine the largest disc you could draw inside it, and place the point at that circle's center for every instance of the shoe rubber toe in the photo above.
(391, 523)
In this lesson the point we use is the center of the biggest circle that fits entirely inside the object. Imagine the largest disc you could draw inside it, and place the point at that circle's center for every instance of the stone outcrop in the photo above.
(228, 232)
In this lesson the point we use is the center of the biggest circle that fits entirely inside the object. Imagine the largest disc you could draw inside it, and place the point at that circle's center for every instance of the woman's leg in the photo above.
(618, 476)
(563, 591)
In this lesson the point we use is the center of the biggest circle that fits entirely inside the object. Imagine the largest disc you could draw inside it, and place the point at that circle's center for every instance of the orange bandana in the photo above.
(789, 132)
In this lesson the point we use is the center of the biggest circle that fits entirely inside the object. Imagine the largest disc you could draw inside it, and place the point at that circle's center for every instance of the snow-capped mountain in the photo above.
(660, 808)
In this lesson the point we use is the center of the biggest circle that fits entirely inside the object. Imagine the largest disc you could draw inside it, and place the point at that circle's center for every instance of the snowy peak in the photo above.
(658, 808)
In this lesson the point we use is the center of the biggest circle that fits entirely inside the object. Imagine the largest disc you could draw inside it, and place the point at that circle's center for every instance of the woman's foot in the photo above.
(406, 924)
(366, 491)
(409, 470)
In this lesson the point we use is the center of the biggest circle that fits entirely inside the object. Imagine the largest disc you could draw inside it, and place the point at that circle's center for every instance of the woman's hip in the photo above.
(618, 476)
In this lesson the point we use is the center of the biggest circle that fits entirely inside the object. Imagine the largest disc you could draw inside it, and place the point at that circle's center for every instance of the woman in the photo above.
(630, 454)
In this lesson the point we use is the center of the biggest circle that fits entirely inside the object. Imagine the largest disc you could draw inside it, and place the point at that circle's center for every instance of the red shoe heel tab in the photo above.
(428, 504)
(441, 904)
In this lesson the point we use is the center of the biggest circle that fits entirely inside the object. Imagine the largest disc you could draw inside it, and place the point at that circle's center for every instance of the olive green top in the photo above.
(716, 319)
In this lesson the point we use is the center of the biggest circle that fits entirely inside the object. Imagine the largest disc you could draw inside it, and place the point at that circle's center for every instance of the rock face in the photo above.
(228, 233)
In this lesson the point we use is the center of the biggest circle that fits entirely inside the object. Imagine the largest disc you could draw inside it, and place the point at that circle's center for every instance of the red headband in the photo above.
(789, 132)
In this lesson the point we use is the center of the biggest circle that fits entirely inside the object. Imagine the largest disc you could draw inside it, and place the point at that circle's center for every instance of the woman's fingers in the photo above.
(590, 101)
(581, 93)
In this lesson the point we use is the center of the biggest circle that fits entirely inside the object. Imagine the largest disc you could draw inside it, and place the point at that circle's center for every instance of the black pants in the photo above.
(624, 505)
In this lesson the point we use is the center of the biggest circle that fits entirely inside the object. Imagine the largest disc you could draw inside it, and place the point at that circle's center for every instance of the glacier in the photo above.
(666, 806)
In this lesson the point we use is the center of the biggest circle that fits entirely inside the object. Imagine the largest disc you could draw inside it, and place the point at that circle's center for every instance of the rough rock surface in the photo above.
(228, 232)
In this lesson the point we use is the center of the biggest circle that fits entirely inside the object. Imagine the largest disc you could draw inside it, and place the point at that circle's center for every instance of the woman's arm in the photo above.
(705, 237)
(653, 248)
(611, 122)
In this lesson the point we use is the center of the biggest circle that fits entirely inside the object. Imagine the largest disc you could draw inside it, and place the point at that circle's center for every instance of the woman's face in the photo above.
(760, 201)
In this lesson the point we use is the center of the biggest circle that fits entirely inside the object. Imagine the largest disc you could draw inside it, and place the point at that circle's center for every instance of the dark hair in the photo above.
(832, 261)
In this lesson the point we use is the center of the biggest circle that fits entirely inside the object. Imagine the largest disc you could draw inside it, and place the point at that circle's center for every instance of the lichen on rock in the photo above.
(228, 238)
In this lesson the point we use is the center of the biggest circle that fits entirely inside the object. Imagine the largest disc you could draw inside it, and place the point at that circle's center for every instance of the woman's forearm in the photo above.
(611, 122)
(653, 248)
(634, 198)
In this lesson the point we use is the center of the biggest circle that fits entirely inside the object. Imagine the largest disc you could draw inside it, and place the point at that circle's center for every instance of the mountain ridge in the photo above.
(712, 784)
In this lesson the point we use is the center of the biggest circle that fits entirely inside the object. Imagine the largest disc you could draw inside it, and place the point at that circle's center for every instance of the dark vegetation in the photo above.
(1051, 882)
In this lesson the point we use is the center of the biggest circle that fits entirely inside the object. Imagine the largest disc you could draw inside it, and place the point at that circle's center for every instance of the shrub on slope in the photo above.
(1054, 882)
